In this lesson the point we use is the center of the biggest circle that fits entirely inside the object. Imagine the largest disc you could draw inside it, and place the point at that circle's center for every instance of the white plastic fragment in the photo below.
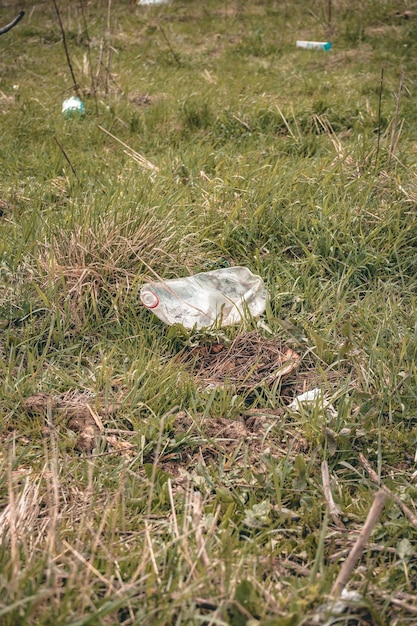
(331, 611)
(153, 1)
(308, 398)
(73, 107)
(317, 45)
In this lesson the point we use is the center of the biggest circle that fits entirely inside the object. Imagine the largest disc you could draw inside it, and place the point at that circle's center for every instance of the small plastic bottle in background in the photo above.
(226, 296)
(318, 45)
(73, 107)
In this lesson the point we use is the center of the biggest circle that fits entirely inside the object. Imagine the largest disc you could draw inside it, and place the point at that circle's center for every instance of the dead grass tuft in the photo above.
(89, 262)
(6, 102)
(21, 513)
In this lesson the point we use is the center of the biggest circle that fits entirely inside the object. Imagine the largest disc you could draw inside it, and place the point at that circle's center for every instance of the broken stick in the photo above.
(360, 544)
(334, 509)
(377, 480)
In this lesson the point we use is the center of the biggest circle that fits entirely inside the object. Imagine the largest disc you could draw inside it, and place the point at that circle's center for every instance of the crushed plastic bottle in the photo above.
(73, 107)
(318, 45)
(225, 296)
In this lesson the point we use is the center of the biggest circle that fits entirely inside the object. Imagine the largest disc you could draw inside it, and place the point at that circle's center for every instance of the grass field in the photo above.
(131, 490)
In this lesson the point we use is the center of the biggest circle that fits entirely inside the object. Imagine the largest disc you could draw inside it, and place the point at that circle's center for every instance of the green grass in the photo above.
(294, 163)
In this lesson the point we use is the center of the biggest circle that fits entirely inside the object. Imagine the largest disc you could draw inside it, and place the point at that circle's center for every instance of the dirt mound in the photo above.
(75, 408)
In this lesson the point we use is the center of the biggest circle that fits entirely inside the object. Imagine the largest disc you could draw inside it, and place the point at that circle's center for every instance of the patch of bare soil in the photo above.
(198, 438)
(242, 440)
(250, 362)
(141, 99)
(40, 404)
(76, 410)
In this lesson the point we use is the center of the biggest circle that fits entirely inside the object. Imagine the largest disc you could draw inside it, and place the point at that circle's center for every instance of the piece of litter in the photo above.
(308, 398)
(73, 107)
(317, 45)
(331, 611)
(225, 296)
(153, 1)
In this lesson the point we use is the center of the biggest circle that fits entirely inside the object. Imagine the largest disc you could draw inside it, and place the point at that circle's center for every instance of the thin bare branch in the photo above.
(171, 49)
(93, 84)
(381, 82)
(64, 41)
(66, 157)
(132, 153)
(334, 509)
(377, 480)
(394, 134)
(360, 544)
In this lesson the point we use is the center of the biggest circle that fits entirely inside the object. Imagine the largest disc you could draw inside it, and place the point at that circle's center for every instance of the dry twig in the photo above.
(66, 157)
(64, 41)
(394, 134)
(381, 82)
(404, 605)
(334, 509)
(171, 49)
(360, 544)
(93, 85)
(377, 480)
(132, 153)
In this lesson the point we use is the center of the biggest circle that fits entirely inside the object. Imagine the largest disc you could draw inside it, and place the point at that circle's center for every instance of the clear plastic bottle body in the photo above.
(73, 107)
(318, 45)
(225, 296)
